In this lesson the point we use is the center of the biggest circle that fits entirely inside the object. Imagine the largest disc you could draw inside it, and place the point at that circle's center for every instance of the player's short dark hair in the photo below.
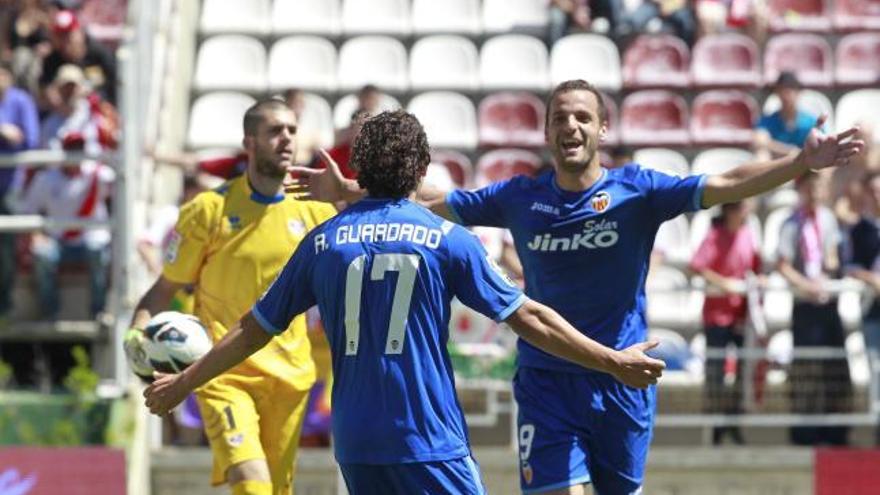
(254, 115)
(391, 154)
(576, 85)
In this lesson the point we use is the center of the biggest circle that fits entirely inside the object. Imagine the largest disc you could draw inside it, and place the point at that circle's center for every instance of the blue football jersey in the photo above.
(584, 254)
(383, 273)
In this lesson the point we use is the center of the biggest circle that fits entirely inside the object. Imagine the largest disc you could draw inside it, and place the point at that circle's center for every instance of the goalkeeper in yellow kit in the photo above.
(230, 243)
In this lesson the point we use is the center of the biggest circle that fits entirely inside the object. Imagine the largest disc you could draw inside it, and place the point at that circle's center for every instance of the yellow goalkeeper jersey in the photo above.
(230, 243)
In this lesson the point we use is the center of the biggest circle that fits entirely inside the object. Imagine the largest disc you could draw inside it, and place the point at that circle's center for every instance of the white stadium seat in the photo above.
(378, 60)
(663, 160)
(215, 120)
(772, 227)
(449, 119)
(859, 106)
(231, 62)
(376, 17)
(809, 100)
(778, 303)
(671, 302)
(591, 57)
(720, 160)
(318, 118)
(235, 16)
(505, 16)
(673, 241)
(444, 62)
(319, 17)
(514, 61)
(447, 17)
(349, 103)
(306, 62)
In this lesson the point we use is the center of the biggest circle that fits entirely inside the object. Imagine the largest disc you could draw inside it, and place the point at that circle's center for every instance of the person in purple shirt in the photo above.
(19, 131)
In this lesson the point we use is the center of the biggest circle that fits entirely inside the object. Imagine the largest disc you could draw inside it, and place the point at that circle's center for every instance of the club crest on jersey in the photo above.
(235, 440)
(601, 201)
(173, 247)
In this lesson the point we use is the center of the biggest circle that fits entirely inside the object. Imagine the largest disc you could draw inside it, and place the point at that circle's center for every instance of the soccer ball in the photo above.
(173, 341)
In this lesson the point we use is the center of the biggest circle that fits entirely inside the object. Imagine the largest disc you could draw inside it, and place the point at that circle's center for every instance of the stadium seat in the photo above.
(444, 62)
(446, 17)
(728, 60)
(349, 103)
(778, 303)
(673, 242)
(799, 15)
(855, 15)
(612, 137)
(591, 57)
(720, 117)
(780, 346)
(318, 17)
(807, 55)
(503, 164)
(656, 61)
(719, 160)
(514, 61)
(782, 197)
(673, 348)
(518, 16)
(702, 222)
(306, 62)
(859, 106)
(376, 17)
(857, 357)
(449, 119)
(663, 160)
(378, 60)
(215, 120)
(231, 62)
(235, 16)
(458, 164)
(511, 119)
(654, 117)
(772, 226)
(671, 302)
(858, 60)
(812, 101)
(317, 117)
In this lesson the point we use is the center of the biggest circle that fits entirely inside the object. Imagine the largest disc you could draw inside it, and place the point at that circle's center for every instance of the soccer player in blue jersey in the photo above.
(383, 273)
(584, 235)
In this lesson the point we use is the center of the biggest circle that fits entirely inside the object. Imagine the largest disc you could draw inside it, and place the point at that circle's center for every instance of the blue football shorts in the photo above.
(454, 477)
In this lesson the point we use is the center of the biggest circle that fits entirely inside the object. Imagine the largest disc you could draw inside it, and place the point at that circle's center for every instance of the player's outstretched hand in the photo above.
(830, 150)
(164, 393)
(327, 184)
(637, 369)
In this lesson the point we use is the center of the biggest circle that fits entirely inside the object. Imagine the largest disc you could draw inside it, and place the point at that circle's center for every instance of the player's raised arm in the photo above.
(545, 328)
(246, 338)
(820, 151)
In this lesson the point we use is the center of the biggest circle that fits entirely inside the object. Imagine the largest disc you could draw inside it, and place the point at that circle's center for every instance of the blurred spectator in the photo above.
(848, 183)
(675, 16)
(370, 99)
(77, 112)
(727, 254)
(862, 261)
(26, 42)
(715, 16)
(308, 140)
(72, 192)
(19, 131)
(341, 153)
(71, 45)
(565, 14)
(786, 129)
(808, 257)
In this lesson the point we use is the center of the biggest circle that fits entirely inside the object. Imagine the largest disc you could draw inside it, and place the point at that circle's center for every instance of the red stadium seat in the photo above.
(799, 15)
(727, 60)
(458, 164)
(498, 165)
(858, 59)
(511, 119)
(807, 55)
(854, 15)
(723, 118)
(656, 61)
(654, 118)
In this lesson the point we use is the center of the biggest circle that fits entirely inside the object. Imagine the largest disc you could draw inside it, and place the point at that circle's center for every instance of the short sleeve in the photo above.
(190, 240)
(480, 207)
(478, 281)
(788, 240)
(291, 292)
(670, 196)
